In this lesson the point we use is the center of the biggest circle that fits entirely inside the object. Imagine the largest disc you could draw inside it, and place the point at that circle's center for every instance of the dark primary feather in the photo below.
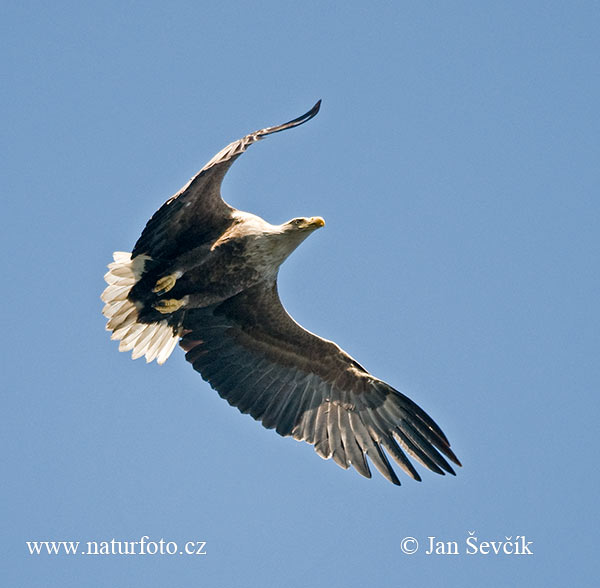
(260, 360)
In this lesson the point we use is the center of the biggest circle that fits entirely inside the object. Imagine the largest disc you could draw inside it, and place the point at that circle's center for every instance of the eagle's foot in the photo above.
(168, 306)
(165, 284)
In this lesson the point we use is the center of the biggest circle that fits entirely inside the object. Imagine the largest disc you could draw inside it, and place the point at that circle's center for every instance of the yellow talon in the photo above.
(168, 306)
(165, 284)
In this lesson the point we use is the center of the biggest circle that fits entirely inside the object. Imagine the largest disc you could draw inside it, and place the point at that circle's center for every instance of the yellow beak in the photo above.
(317, 222)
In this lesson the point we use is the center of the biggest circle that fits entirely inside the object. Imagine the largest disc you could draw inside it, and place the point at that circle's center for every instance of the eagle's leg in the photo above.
(168, 306)
(166, 283)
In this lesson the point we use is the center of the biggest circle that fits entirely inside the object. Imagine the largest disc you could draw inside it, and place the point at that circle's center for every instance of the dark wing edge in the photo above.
(265, 364)
(235, 149)
(198, 212)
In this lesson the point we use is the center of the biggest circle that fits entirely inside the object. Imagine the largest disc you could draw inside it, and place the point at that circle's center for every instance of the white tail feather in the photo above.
(154, 340)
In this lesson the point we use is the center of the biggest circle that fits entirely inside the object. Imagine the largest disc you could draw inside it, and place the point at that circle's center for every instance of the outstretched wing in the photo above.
(261, 361)
(197, 214)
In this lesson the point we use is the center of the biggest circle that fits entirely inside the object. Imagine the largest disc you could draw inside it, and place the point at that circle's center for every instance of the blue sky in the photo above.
(455, 160)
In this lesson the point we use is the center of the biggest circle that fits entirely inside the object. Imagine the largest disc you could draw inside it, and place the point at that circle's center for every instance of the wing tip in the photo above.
(292, 123)
(453, 458)
(314, 110)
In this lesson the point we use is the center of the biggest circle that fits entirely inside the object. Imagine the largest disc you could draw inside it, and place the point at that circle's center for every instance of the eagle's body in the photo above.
(205, 274)
(250, 250)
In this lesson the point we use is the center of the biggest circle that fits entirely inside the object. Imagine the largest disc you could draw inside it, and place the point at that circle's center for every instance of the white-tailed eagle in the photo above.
(205, 275)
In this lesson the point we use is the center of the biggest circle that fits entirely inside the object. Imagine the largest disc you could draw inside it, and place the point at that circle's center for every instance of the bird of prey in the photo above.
(205, 275)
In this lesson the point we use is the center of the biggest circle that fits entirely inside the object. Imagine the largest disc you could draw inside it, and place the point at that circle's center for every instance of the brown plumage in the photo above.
(205, 274)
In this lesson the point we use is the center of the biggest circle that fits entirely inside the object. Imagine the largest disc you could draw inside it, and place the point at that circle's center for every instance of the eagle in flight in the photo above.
(205, 275)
